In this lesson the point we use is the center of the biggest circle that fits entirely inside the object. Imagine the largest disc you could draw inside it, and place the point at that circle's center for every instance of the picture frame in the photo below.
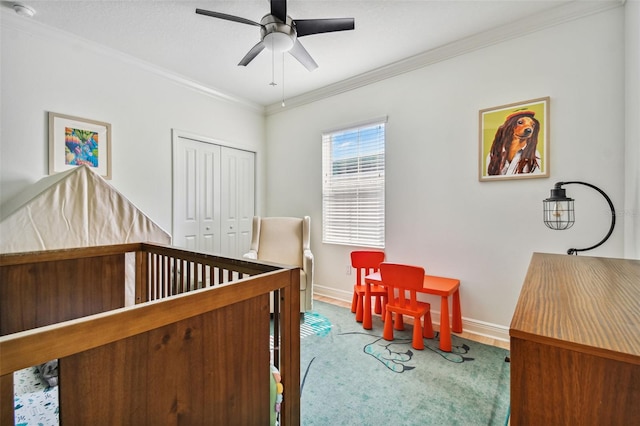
(75, 141)
(514, 141)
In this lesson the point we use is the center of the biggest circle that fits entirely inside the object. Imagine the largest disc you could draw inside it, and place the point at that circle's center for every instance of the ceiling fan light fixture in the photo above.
(278, 42)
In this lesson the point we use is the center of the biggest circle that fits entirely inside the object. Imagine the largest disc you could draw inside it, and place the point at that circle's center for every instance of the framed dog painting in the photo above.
(514, 141)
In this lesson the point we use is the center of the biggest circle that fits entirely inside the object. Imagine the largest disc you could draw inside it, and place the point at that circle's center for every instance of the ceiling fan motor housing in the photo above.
(277, 35)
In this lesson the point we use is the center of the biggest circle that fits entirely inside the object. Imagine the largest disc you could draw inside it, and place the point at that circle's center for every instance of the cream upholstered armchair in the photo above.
(285, 240)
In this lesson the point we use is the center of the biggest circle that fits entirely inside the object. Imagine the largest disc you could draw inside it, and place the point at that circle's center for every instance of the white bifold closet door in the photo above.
(213, 196)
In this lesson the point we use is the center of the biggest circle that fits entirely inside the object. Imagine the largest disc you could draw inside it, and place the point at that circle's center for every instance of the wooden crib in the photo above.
(194, 349)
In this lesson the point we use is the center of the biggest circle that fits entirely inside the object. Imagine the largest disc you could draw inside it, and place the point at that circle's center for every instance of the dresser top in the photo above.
(587, 304)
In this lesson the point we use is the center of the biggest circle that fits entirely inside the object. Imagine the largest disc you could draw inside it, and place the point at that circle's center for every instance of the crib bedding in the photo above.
(35, 402)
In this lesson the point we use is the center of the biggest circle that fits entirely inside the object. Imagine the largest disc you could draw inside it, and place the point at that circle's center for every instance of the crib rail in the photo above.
(97, 277)
(78, 315)
(170, 271)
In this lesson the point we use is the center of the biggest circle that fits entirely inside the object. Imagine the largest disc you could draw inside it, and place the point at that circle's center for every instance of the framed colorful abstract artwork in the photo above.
(75, 141)
(514, 141)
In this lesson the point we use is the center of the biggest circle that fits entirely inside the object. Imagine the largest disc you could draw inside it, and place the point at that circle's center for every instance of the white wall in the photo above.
(438, 214)
(631, 213)
(43, 71)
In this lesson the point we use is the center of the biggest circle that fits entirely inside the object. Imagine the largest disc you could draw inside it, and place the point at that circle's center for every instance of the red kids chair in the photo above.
(366, 262)
(403, 282)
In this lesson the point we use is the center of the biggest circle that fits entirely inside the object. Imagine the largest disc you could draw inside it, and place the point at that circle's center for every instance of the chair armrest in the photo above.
(252, 254)
(307, 266)
(307, 262)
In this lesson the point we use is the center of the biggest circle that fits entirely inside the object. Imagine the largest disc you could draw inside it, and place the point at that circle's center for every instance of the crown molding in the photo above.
(568, 12)
(34, 28)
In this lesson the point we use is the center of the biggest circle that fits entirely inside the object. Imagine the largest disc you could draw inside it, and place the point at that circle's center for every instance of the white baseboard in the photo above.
(470, 325)
(481, 328)
(344, 296)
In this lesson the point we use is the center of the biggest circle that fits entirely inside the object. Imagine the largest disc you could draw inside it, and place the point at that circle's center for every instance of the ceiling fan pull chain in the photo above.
(282, 79)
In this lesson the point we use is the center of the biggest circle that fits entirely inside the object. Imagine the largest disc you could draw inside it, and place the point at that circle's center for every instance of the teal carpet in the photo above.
(352, 376)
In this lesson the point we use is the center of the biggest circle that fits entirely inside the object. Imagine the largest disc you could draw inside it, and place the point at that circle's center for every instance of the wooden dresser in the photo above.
(575, 342)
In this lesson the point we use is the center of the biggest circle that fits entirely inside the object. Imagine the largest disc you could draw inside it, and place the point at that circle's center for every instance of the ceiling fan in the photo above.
(280, 33)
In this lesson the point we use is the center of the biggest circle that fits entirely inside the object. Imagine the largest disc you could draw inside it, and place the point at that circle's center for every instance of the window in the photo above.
(353, 185)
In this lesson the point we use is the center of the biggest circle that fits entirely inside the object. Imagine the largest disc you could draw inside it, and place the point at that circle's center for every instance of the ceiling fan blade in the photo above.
(252, 54)
(226, 17)
(316, 26)
(300, 53)
(279, 9)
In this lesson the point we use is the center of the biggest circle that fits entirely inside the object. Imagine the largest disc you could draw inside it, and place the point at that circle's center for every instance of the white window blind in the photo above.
(353, 185)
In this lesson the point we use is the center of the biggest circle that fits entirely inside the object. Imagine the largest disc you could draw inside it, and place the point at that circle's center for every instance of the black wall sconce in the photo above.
(559, 214)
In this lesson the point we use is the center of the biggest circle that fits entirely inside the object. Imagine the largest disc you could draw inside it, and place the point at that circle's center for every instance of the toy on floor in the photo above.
(276, 394)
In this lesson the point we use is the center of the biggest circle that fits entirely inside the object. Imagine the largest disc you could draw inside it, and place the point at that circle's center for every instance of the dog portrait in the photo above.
(514, 142)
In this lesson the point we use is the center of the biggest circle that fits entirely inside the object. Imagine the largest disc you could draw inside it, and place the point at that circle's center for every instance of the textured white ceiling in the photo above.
(206, 50)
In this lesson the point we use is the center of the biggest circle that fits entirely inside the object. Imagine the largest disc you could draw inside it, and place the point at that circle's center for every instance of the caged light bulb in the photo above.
(556, 211)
